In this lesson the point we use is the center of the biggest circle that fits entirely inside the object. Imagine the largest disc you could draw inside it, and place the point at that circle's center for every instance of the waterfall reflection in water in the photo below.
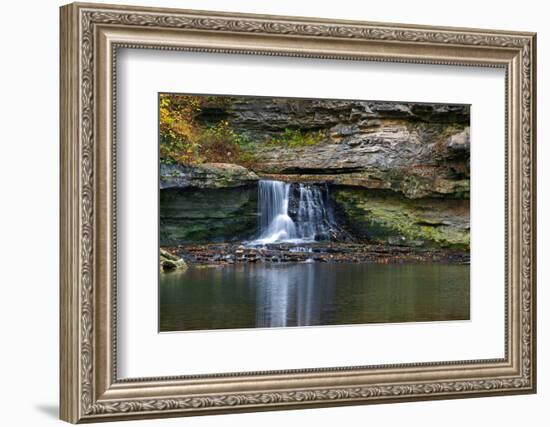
(286, 294)
(310, 294)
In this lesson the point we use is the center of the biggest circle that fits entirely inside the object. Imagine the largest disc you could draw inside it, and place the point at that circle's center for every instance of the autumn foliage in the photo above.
(184, 140)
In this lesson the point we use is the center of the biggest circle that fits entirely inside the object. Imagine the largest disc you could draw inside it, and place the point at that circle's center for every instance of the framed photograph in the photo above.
(266, 212)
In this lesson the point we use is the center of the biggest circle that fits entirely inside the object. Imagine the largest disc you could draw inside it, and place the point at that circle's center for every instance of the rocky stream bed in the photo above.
(220, 254)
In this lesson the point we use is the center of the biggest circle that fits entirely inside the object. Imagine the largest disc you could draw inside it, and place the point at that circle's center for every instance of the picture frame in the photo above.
(91, 34)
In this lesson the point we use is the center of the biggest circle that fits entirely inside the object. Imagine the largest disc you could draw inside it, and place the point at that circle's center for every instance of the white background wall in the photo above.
(29, 170)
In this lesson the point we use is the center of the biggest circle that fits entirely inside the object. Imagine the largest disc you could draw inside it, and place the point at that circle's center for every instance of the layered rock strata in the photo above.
(398, 174)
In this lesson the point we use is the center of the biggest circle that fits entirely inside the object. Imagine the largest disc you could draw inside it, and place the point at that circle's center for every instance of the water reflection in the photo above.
(308, 311)
(272, 297)
(287, 294)
(280, 295)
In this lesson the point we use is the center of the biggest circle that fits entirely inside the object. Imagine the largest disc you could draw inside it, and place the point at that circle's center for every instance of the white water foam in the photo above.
(313, 219)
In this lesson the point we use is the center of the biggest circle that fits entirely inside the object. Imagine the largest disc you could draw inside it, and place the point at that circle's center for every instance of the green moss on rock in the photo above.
(170, 262)
(207, 215)
(385, 217)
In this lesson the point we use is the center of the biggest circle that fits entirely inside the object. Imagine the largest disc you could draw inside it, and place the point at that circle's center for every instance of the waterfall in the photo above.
(275, 224)
(313, 221)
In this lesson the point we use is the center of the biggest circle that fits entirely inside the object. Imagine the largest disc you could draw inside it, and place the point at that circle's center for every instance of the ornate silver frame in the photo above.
(90, 36)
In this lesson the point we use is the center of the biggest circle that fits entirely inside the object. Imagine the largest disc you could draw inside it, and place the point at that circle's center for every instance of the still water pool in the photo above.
(311, 294)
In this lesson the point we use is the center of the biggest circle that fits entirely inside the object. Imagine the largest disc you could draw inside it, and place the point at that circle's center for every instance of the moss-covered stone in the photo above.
(171, 262)
(384, 217)
(207, 215)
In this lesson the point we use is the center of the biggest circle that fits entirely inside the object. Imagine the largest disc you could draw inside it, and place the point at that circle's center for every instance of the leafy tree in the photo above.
(184, 140)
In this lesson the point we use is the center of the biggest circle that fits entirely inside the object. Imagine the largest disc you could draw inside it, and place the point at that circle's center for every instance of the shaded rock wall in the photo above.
(207, 215)
(384, 218)
(360, 215)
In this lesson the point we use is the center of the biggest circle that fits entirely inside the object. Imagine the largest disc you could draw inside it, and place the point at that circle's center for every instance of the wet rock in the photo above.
(211, 255)
(170, 262)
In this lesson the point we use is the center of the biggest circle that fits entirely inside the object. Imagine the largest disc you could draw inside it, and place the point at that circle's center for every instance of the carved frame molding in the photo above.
(90, 37)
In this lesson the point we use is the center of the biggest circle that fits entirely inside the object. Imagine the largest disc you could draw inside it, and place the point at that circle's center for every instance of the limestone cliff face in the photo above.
(193, 215)
(264, 116)
(207, 176)
(380, 217)
(416, 149)
(398, 173)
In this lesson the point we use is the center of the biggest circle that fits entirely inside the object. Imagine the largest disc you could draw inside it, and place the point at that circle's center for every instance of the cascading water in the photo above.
(275, 224)
(313, 221)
